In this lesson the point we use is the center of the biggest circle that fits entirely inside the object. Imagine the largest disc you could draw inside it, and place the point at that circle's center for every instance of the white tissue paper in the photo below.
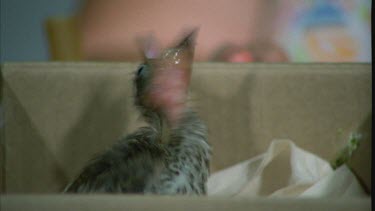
(284, 170)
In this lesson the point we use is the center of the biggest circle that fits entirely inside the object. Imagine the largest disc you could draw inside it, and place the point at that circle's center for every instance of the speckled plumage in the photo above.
(158, 159)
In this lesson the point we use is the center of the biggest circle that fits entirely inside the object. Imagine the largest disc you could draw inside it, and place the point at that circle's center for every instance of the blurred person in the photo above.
(110, 27)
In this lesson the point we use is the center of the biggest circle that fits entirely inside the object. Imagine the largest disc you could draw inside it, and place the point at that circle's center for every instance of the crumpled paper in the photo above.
(284, 170)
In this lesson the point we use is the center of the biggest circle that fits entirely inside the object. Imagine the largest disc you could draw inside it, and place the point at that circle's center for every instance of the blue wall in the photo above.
(23, 35)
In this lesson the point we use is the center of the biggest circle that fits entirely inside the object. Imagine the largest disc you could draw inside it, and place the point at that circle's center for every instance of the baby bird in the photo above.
(171, 155)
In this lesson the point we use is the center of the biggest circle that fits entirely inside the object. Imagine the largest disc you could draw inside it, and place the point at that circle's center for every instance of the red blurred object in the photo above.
(232, 53)
(242, 56)
(258, 51)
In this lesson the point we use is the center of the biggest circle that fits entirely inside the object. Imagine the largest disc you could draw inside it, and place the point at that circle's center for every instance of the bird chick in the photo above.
(171, 155)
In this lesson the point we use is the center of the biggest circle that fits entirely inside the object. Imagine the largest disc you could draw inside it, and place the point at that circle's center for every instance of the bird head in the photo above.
(163, 79)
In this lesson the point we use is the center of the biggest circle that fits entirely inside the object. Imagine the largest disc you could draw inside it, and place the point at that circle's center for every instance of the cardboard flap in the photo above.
(121, 202)
(59, 114)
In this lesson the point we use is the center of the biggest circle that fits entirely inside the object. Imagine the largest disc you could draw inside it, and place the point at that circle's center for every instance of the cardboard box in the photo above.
(57, 115)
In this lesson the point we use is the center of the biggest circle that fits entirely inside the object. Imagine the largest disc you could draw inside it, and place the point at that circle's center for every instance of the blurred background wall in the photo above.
(233, 31)
(22, 35)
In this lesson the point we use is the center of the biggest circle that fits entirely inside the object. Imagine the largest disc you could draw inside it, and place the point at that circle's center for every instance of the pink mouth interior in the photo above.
(168, 91)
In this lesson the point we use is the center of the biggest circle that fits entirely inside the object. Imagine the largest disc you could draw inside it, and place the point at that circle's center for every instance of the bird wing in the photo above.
(127, 167)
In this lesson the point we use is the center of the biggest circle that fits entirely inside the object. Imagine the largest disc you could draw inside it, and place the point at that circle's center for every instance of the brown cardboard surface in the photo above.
(59, 114)
(118, 202)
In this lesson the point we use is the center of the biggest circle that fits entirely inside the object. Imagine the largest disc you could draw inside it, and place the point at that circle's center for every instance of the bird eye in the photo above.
(140, 70)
